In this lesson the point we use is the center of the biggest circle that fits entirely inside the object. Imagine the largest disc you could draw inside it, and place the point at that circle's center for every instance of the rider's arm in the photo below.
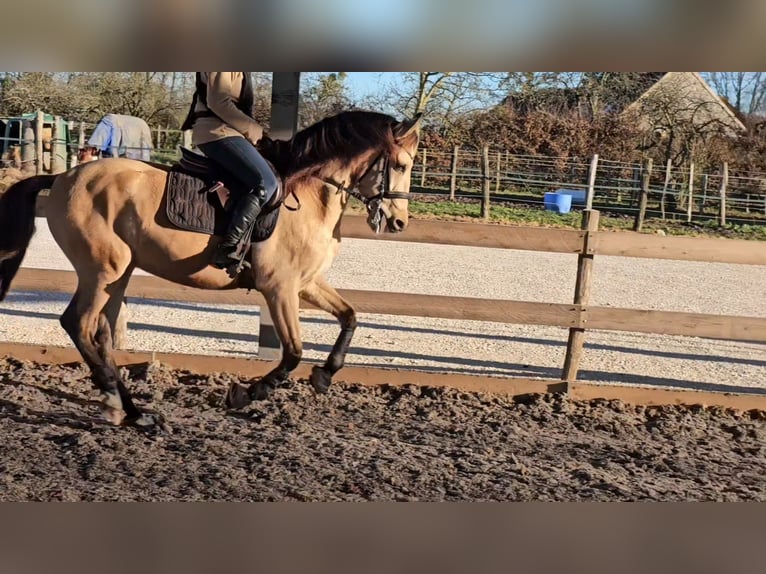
(221, 100)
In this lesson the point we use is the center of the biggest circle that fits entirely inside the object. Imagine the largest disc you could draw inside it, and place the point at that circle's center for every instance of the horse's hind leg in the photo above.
(90, 332)
(87, 322)
(321, 294)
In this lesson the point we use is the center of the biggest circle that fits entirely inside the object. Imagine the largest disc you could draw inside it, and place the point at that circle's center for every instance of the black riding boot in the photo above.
(245, 212)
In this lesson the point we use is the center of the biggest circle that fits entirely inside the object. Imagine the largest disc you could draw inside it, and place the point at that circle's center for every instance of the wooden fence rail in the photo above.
(578, 316)
(554, 240)
(443, 307)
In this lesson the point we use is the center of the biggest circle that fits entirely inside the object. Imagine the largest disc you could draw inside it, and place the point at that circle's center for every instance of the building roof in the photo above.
(692, 86)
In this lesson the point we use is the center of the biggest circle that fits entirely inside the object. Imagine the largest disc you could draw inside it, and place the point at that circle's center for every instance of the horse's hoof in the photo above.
(113, 416)
(320, 379)
(261, 390)
(237, 396)
(150, 422)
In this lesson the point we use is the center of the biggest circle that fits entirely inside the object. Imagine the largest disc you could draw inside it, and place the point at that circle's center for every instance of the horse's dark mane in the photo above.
(343, 136)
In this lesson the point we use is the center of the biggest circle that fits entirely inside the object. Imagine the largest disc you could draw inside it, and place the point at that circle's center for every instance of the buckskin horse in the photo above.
(110, 217)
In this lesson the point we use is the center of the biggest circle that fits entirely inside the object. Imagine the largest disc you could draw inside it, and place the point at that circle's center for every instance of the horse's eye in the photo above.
(400, 167)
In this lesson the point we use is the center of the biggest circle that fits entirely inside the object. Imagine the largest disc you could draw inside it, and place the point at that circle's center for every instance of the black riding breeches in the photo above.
(240, 158)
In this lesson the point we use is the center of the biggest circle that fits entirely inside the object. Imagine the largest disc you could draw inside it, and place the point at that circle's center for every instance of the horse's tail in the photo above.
(17, 224)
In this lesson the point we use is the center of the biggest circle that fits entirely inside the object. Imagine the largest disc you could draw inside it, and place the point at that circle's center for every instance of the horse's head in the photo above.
(367, 155)
(385, 185)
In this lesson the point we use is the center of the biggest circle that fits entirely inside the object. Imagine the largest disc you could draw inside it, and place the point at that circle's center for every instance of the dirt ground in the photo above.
(363, 443)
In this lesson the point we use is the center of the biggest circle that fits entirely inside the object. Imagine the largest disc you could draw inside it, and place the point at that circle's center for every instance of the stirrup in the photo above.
(235, 264)
(238, 267)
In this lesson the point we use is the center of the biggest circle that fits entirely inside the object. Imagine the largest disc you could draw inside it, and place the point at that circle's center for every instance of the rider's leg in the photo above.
(239, 157)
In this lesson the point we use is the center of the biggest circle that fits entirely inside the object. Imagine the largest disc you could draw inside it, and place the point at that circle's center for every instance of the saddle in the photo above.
(200, 197)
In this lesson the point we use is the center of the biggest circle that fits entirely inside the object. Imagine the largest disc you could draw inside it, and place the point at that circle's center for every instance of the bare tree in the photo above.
(143, 94)
(681, 124)
(745, 91)
(323, 95)
(441, 95)
(591, 94)
(88, 96)
(611, 92)
(26, 92)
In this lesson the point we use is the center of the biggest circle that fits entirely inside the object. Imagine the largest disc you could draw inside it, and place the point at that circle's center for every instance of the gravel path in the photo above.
(461, 346)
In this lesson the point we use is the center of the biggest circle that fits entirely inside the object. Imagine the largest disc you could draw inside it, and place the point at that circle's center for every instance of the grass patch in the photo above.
(497, 214)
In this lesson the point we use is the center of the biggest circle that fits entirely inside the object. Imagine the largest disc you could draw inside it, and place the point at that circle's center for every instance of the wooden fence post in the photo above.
(73, 160)
(39, 124)
(27, 147)
(54, 139)
(58, 148)
(485, 181)
(722, 193)
(591, 182)
(72, 154)
(690, 199)
(665, 186)
(702, 202)
(636, 182)
(581, 298)
(646, 173)
(187, 139)
(497, 181)
(453, 174)
(25, 142)
(423, 168)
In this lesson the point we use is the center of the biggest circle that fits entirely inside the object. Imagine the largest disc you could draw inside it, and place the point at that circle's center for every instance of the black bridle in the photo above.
(380, 169)
(382, 165)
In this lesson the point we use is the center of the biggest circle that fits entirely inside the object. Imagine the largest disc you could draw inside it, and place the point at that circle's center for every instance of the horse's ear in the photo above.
(406, 127)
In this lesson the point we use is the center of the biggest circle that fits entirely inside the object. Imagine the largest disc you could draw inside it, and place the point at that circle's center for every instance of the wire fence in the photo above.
(523, 179)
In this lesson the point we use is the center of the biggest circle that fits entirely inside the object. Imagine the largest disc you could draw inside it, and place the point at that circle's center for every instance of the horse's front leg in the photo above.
(321, 294)
(284, 306)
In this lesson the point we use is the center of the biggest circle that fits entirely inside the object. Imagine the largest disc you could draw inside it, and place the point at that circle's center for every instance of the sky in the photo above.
(361, 84)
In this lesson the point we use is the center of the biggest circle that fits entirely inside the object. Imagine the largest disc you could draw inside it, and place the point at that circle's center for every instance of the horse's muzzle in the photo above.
(396, 225)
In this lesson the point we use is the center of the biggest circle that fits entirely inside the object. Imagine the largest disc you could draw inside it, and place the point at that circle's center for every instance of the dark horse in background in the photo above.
(109, 218)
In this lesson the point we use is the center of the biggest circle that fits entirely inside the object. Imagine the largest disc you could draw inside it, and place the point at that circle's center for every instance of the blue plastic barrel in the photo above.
(559, 202)
(578, 195)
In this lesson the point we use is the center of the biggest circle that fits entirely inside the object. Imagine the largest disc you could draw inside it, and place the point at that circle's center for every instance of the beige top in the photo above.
(223, 89)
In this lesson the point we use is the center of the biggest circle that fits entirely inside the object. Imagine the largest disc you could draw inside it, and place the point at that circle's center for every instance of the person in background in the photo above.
(118, 135)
